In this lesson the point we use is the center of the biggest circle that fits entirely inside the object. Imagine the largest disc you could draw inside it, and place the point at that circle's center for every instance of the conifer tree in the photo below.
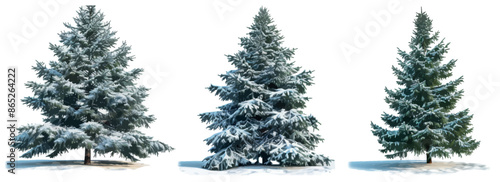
(88, 97)
(263, 119)
(424, 122)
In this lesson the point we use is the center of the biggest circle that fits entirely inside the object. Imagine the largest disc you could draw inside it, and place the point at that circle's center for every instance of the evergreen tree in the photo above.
(88, 98)
(263, 118)
(424, 122)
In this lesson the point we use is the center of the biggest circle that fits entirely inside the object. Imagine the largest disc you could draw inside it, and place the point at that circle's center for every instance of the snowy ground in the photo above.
(194, 168)
(172, 170)
(70, 164)
(415, 166)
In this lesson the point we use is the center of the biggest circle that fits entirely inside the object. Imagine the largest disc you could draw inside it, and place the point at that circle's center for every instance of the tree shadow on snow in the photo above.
(415, 166)
(194, 167)
(194, 164)
(71, 164)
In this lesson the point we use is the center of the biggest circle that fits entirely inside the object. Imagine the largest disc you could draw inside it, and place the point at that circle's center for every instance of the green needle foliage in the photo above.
(88, 98)
(263, 119)
(424, 122)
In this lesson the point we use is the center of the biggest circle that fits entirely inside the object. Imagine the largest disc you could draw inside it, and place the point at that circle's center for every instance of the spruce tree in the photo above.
(424, 122)
(88, 98)
(263, 119)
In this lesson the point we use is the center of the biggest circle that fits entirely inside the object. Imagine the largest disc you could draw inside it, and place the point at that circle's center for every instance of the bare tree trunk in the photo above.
(429, 159)
(427, 149)
(87, 156)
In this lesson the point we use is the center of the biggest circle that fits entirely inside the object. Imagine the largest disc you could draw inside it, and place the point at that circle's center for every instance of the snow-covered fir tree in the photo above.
(88, 98)
(424, 122)
(263, 119)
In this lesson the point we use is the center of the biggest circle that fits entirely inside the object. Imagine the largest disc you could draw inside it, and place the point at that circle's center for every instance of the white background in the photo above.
(181, 45)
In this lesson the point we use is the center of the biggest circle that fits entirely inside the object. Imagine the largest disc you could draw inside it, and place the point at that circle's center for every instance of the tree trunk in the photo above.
(429, 159)
(87, 156)
(265, 158)
(427, 149)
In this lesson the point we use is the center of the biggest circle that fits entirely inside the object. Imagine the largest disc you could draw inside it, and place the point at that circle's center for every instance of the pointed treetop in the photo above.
(263, 17)
(423, 35)
(91, 8)
(88, 9)
(263, 12)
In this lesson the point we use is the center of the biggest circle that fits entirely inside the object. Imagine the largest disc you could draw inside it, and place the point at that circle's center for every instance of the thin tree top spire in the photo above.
(90, 8)
(263, 18)
(263, 12)
(423, 36)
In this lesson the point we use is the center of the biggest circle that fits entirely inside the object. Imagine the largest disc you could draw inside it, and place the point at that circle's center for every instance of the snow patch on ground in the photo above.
(72, 164)
(194, 168)
(416, 166)
(168, 166)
